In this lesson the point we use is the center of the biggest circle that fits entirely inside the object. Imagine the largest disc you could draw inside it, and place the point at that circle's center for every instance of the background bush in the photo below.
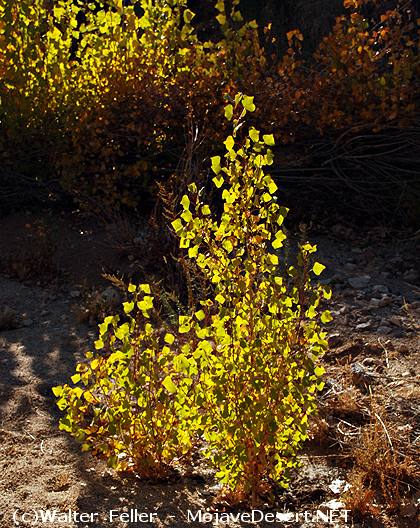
(100, 97)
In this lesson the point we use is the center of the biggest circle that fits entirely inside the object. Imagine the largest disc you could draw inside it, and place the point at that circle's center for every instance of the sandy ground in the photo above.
(376, 325)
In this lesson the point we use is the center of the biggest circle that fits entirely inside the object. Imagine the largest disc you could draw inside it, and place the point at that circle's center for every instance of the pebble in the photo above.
(380, 288)
(350, 266)
(394, 320)
(341, 310)
(335, 340)
(386, 274)
(411, 275)
(364, 326)
(386, 300)
(361, 377)
(74, 294)
(384, 330)
(27, 322)
(111, 295)
(374, 304)
(372, 362)
(359, 282)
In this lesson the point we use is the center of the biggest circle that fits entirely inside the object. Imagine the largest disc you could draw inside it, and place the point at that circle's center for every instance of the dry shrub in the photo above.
(8, 319)
(385, 466)
(35, 258)
(108, 93)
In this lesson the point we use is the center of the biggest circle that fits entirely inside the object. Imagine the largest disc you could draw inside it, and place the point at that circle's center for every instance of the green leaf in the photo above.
(319, 371)
(78, 392)
(218, 182)
(169, 338)
(128, 307)
(193, 251)
(185, 202)
(221, 19)
(227, 244)
(188, 16)
(58, 390)
(220, 299)
(278, 241)
(145, 288)
(206, 210)
(311, 312)
(254, 134)
(177, 225)
(75, 378)
(326, 317)
(187, 216)
(229, 112)
(269, 139)
(248, 103)
(272, 187)
(318, 268)
(200, 315)
(169, 385)
(131, 288)
(230, 143)
(215, 164)
(327, 292)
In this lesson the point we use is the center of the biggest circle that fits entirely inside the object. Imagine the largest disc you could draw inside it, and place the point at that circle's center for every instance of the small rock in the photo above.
(359, 282)
(411, 275)
(350, 266)
(384, 330)
(337, 278)
(340, 311)
(385, 301)
(386, 274)
(333, 505)
(372, 362)
(111, 295)
(398, 332)
(374, 304)
(335, 340)
(394, 320)
(339, 486)
(27, 322)
(364, 326)
(404, 350)
(74, 294)
(380, 288)
(361, 377)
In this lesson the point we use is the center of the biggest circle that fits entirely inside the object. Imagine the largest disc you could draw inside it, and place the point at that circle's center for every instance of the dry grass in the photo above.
(34, 259)
(385, 466)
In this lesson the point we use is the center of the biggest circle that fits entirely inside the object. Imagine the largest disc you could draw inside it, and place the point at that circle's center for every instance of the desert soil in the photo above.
(375, 352)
